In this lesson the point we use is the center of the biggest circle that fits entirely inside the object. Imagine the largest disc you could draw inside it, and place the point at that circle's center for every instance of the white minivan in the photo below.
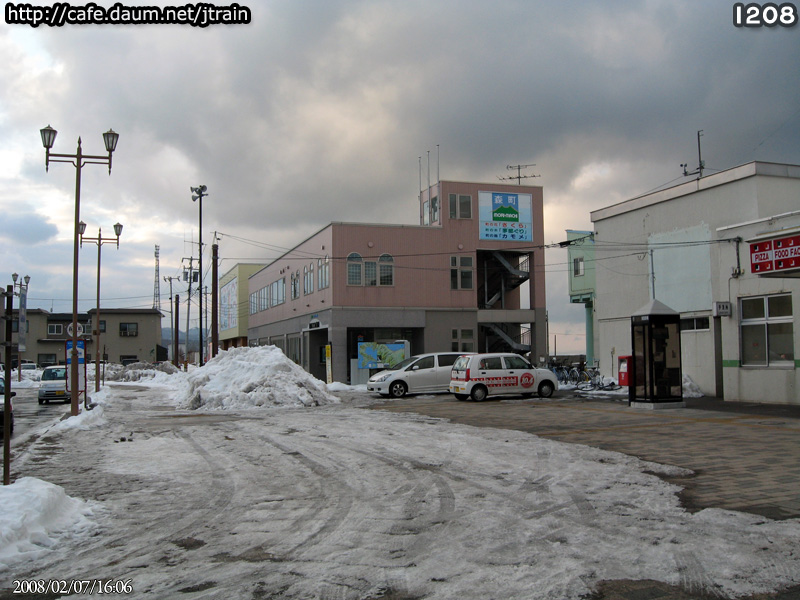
(481, 375)
(53, 385)
(424, 373)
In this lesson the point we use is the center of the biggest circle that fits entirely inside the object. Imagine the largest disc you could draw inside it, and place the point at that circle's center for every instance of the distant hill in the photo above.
(194, 338)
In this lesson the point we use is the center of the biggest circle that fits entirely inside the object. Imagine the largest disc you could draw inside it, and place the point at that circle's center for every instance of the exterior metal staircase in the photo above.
(502, 280)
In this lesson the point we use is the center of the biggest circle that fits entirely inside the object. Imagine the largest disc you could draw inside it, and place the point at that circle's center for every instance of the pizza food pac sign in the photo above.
(780, 254)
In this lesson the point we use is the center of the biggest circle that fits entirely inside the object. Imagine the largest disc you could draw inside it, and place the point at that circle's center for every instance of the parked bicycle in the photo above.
(596, 381)
(562, 373)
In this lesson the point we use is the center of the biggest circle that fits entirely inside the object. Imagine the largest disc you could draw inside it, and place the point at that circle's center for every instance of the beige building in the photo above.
(234, 297)
(126, 335)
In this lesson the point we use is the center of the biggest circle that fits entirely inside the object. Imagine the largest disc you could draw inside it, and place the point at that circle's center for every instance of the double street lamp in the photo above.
(78, 160)
(99, 240)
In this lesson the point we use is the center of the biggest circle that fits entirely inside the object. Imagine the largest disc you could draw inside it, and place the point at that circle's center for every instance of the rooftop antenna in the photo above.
(700, 164)
(519, 176)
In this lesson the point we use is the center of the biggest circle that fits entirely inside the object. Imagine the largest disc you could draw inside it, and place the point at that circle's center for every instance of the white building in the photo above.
(724, 252)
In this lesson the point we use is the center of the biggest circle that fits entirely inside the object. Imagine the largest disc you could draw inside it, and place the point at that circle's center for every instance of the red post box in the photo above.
(623, 362)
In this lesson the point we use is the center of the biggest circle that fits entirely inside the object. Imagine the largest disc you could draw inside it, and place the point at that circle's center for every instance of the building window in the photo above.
(45, 360)
(434, 209)
(695, 324)
(323, 273)
(370, 273)
(577, 266)
(102, 326)
(386, 270)
(308, 279)
(767, 331)
(55, 329)
(263, 298)
(128, 329)
(354, 268)
(277, 292)
(460, 272)
(253, 303)
(295, 285)
(463, 340)
(426, 213)
(460, 206)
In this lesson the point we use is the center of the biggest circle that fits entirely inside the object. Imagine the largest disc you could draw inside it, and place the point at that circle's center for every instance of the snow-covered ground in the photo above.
(273, 485)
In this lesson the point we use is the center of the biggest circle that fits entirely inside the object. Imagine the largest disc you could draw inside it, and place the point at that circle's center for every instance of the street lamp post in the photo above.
(99, 240)
(198, 193)
(22, 318)
(78, 160)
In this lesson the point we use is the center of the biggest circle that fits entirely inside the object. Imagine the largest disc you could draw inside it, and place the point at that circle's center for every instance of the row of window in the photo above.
(766, 326)
(460, 208)
(274, 294)
(360, 272)
(125, 329)
(370, 273)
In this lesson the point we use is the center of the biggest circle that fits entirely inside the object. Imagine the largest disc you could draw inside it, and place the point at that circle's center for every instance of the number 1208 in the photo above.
(764, 15)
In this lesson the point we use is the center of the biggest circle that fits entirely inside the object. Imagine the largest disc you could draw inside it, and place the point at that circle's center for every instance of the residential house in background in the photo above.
(126, 335)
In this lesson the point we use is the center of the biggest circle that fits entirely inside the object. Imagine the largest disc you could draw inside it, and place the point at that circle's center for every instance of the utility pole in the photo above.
(214, 300)
(188, 275)
(8, 316)
(171, 279)
(176, 333)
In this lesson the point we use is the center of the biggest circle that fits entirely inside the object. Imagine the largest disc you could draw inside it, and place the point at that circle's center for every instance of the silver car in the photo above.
(424, 373)
(53, 385)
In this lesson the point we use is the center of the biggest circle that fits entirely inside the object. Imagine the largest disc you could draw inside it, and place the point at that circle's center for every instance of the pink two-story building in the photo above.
(455, 282)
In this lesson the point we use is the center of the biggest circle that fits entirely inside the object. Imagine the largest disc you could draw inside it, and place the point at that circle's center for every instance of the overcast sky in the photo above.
(318, 111)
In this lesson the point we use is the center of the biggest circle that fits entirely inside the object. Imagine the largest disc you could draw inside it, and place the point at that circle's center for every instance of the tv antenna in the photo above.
(700, 164)
(519, 176)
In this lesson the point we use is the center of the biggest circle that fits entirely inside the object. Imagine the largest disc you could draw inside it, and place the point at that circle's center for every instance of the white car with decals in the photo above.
(481, 375)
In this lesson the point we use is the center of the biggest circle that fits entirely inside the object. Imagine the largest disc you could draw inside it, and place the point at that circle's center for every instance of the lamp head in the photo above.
(118, 229)
(14, 276)
(48, 136)
(27, 279)
(110, 139)
(81, 228)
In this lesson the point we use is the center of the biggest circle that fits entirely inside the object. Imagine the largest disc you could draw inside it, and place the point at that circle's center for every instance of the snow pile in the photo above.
(691, 389)
(141, 371)
(30, 378)
(87, 419)
(248, 377)
(35, 515)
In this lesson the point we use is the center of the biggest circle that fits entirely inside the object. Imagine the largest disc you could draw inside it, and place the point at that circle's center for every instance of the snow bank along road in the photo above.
(341, 503)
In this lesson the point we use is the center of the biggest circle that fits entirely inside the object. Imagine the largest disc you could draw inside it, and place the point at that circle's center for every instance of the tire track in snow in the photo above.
(693, 576)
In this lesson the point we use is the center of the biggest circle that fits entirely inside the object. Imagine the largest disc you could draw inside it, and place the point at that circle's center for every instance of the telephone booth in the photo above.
(655, 368)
